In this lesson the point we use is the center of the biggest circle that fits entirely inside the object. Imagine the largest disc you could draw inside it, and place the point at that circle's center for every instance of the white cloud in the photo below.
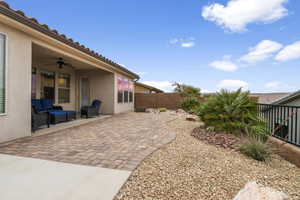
(224, 65)
(187, 44)
(276, 86)
(183, 42)
(289, 52)
(237, 14)
(166, 86)
(263, 50)
(233, 84)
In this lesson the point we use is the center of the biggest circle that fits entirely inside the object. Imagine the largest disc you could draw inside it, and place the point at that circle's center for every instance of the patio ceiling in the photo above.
(42, 56)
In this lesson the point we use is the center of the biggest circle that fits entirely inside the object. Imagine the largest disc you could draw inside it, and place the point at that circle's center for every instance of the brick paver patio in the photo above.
(119, 142)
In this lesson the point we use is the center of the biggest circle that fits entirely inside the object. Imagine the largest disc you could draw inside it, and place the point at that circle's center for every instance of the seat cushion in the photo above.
(58, 112)
(47, 104)
(70, 111)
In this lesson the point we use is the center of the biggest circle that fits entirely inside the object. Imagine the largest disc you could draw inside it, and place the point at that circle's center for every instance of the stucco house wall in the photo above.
(16, 122)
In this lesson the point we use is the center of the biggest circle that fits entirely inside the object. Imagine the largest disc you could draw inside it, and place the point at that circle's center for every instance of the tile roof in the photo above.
(288, 98)
(20, 16)
(268, 98)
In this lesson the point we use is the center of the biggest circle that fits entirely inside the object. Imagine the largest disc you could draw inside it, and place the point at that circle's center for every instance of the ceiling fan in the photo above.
(61, 63)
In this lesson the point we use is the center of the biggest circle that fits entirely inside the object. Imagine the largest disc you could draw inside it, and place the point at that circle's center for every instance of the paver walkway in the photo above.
(119, 142)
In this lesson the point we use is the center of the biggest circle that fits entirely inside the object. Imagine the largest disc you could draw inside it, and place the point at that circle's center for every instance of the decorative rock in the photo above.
(254, 191)
(180, 111)
(192, 118)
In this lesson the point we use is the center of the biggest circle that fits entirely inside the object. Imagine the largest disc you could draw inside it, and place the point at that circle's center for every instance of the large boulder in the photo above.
(254, 191)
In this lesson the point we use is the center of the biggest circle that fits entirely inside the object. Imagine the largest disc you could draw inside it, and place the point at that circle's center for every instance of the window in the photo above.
(120, 96)
(120, 90)
(64, 82)
(48, 85)
(125, 90)
(131, 88)
(130, 96)
(126, 96)
(2, 72)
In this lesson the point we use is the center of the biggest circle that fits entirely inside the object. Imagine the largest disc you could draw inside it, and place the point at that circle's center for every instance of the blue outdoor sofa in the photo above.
(56, 113)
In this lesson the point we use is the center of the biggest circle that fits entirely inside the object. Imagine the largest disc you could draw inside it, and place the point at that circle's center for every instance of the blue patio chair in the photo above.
(37, 105)
(93, 110)
(39, 118)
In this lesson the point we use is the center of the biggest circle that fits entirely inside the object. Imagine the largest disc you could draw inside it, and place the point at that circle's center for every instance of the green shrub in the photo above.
(191, 96)
(233, 112)
(190, 105)
(162, 110)
(256, 150)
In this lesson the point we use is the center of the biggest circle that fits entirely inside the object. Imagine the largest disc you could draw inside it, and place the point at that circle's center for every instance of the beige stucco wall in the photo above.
(121, 107)
(101, 87)
(17, 122)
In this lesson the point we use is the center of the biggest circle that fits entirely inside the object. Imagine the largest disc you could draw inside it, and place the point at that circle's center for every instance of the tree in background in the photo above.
(191, 96)
(187, 91)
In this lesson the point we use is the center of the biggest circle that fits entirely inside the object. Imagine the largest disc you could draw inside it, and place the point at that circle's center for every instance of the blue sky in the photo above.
(209, 44)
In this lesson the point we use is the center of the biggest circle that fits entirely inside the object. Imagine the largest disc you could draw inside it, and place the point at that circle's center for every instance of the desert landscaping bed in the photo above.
(188, 168)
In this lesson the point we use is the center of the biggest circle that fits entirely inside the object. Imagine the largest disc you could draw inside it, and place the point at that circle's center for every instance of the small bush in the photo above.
(190, 105)
(162, 110)
(256, 150)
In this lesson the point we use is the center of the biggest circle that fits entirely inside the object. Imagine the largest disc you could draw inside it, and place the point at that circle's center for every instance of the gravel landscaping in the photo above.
(188, 168)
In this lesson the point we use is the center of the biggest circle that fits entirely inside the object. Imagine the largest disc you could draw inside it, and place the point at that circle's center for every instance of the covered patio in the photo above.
(69, 84)
(54, 72)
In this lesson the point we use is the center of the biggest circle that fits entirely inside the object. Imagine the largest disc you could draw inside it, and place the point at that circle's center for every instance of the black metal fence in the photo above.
(282, 121)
